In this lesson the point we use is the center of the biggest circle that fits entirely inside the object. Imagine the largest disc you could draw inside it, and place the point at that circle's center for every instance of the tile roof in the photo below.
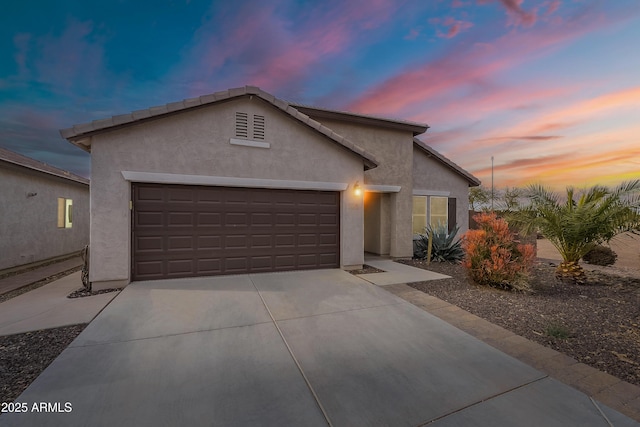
(79, 133)
(12, 157)
(473, 181)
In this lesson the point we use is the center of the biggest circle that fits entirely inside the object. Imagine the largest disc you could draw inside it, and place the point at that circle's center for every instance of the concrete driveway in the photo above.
(290, 349)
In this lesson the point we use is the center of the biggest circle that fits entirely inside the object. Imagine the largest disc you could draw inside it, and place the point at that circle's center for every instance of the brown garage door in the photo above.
(188, 230)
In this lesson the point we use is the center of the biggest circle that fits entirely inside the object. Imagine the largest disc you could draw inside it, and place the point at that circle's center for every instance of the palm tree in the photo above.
(587, 218)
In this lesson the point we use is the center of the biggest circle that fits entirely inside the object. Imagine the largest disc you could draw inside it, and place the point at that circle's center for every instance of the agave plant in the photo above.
(444, 245)
(581, 222)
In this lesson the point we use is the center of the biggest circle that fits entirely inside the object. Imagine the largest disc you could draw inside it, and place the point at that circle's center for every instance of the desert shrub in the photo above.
(557, 330)
(601, 255)
(493, 258)
(444, 245)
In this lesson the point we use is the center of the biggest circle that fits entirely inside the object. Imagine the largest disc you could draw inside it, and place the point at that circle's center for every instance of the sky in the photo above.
(549, 88)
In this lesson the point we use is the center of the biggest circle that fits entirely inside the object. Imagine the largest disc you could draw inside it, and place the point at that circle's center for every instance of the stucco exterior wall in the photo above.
(28, 229)
(197, 142)
(393, 149)
(430, 174)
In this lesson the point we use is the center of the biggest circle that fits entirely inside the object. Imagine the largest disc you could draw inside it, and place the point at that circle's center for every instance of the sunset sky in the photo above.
(550, 88)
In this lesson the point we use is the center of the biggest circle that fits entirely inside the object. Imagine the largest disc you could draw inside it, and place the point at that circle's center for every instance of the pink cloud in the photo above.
(463, 67)
(413, 34)
(581, 111)
(454, 27)
(275, 53)
(517, 15)
(552, 7)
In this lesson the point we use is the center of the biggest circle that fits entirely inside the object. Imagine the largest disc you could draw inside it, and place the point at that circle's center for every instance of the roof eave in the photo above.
(472, 180)
(415, 128)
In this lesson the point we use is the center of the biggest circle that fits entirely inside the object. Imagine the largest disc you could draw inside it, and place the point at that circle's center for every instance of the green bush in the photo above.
(493, 258)
(444, 245)
(600, 255)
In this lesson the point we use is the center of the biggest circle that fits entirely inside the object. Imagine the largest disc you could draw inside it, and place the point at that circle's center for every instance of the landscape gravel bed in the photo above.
(597, 324)
(24, 356)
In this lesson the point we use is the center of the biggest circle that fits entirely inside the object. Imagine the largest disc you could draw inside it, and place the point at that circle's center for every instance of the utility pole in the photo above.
(491, 183)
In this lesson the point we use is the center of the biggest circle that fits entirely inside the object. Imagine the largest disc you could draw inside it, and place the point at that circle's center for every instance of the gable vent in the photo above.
(258, 127)
(242, 125)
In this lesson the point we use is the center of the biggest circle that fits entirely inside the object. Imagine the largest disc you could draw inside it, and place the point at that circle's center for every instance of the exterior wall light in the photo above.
(357, 190)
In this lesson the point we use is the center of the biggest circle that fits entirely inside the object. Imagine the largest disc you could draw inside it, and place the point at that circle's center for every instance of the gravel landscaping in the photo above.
(597, 324)
(24, 356)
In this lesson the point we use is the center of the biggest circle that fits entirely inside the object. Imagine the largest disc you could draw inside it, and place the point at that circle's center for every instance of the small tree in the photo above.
(576, 225)
(510, 198)
(478, 197)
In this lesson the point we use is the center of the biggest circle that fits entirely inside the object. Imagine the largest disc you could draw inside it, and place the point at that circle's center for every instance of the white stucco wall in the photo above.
(431, 175)
(28, 229)
(197, 142)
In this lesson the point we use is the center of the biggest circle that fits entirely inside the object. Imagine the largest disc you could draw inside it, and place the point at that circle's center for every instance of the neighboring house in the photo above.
(44, 211)
(240, 181)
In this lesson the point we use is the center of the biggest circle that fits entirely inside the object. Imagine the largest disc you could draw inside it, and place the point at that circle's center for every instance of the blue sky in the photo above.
(550, 88)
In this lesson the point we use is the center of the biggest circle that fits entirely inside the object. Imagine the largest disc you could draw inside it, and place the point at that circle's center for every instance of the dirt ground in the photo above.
(627, 246)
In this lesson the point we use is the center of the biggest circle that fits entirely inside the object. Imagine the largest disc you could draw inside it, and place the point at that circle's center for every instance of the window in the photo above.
(419, 214)
(438, 211)
(435, 208)
(65, 212)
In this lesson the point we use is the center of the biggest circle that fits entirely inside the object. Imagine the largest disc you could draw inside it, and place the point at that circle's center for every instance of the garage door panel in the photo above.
(149, 268)
(146, 219)
(236, 242)
(180, 219)
(179, 267)
(209, 219)
(328, 259)
(182, 194)
(185, 231)
(146, 244)
(209, 242)
(235, 264)
(209, 266)
(307, 260)
(180, 243)
(150, 194)
(328, 219)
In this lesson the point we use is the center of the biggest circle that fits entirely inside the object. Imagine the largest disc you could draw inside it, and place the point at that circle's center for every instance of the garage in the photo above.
(194, 230)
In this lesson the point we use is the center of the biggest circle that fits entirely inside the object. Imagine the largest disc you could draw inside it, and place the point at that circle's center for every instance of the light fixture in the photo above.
(356, 189)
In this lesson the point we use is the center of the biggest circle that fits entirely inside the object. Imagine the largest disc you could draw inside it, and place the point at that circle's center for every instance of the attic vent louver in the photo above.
(258, 127)
(242, 125)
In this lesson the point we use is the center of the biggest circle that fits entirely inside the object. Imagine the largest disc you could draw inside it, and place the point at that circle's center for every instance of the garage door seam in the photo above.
(295, 360)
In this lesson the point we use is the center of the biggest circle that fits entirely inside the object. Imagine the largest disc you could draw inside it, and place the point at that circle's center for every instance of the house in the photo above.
(44, 211)
(240, 181)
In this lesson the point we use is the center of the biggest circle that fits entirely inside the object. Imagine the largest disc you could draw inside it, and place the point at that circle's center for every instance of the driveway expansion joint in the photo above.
(340, 311)
(167, 335)
(528, 383)
(295, 360)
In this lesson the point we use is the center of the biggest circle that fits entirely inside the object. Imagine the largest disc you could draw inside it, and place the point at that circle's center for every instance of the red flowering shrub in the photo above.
(493, 258)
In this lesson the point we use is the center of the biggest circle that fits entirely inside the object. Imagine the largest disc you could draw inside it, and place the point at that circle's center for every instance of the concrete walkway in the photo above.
(299, 348)
(397, 273)
(48, 307)
(16, 281)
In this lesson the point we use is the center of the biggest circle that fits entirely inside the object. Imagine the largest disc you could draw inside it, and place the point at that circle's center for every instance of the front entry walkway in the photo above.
(395, 272)
(290, 349)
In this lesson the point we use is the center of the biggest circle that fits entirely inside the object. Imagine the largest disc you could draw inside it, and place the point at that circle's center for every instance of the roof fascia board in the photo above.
(415, 128)
(473, 181)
